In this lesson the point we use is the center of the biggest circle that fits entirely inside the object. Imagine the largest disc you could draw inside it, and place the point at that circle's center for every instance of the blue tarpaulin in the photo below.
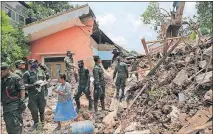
(104, 55)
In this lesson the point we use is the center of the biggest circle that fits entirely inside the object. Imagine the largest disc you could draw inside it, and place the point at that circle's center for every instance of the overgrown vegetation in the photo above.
(14, 43)
(43, 9)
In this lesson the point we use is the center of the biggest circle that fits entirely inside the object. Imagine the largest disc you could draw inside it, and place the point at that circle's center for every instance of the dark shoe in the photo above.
(57, 128)
(77, 110)
(35, 126)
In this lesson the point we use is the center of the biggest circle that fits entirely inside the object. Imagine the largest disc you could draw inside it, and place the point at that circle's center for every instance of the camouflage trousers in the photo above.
(99, 95)
(120, 84)
(69, 75)
(78, 95)
(13, 120)
(37, 104)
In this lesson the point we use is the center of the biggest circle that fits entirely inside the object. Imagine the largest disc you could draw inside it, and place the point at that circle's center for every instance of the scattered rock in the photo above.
(131, 127)
(204, 78)
(208, 96)
(181, 77)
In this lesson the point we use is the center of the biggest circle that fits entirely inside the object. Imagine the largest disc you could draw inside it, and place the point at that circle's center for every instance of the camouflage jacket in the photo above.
(134, 65)
(20, 72)
(122, 70)
(98, 74)
(30, 77)
(10, 91)
(68, 62)
(84, 78)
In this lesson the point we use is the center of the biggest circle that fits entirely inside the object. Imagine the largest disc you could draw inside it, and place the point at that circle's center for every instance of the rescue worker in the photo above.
(115, 53)
(99, 84)
(45, 69)
(37, 99)
(134, 66)
(84, 85)
(121, 70)
(20, 68)
(12, 98)
(69, 66)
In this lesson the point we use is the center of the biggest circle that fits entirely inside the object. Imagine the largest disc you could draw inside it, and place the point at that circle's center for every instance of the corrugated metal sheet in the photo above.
(104, 55)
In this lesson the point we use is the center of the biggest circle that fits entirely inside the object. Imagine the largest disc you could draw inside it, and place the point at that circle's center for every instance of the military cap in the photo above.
(4, 65)
(18, 62)
(33, 61)
(96, 58)
(80, 61)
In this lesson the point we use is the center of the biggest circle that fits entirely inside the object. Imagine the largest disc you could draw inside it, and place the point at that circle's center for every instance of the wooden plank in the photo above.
(197, 129)
(204, 78)
(163, 59)
(146, 51)
(200, 118)
(155, 41)
(139, 93)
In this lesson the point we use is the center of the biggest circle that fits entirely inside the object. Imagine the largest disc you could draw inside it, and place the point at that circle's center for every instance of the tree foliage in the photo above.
(43, 9)
(134, 52)
(204, 12)
(154, 15)
(14, 43)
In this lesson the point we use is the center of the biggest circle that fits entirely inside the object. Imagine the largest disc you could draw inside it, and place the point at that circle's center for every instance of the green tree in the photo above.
(204, 12)
(14, 43)
(154, 15)
(43, 9)
(134, 52)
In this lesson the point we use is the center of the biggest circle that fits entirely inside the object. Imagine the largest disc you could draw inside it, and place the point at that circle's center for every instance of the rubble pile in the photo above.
(174, 93)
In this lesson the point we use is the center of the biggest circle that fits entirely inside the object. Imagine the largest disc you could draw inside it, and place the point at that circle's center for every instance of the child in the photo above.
(65, 109)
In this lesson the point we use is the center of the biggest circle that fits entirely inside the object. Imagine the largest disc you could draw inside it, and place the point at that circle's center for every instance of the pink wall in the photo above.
(76, 39)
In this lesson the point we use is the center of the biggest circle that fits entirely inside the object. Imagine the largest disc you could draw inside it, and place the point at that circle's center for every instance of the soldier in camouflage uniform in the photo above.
(99, 84)
(37, 99)
(12, 98)
(134, 67)
(20, 68)
(69, 66)
(84, 85)
(121, 70)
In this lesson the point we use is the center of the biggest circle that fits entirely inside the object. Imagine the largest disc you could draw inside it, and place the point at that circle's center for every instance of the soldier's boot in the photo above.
(35, 126)
(78, 105)
(136, 76)
(117, 93)
(42, 120)
(122, 94)
(35, 119)
(102, 104)
(96, 106)
(90, 104)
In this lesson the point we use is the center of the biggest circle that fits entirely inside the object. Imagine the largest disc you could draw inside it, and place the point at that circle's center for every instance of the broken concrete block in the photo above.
(204, 78)
(208, 96)
(181, 77)
(109, 119)
(163, 79)
(48, 111)
(174, 114)
(131, 127)
(202, 64)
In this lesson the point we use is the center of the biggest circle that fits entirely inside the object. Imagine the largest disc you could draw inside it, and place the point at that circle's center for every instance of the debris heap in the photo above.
(174, 93)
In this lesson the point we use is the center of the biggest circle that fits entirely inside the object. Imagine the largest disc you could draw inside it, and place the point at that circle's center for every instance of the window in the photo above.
(58, 69)
(10, 13)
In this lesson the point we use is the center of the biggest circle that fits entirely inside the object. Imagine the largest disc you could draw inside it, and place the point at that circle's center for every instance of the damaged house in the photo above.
(75, 30)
